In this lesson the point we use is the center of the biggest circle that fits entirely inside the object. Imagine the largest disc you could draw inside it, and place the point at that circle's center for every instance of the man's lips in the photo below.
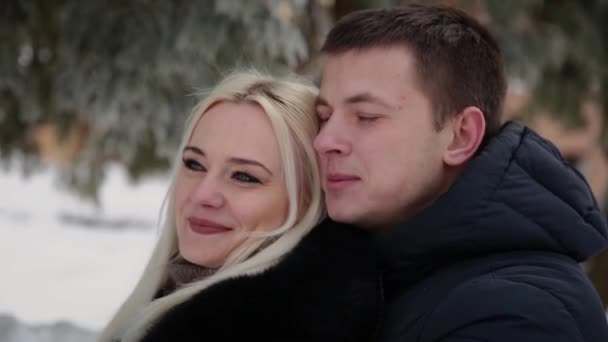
(206, 227)
(337, 182)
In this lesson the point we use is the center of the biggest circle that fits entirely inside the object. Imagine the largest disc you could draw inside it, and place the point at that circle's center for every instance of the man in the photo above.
(480, 226)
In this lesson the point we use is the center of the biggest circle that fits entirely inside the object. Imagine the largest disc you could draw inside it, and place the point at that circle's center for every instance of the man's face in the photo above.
(380, 153)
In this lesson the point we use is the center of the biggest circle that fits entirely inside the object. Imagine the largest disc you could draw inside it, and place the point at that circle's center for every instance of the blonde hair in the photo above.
(289, 104)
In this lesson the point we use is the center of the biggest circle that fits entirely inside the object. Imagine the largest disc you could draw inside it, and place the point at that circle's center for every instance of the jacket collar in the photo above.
(518, 194)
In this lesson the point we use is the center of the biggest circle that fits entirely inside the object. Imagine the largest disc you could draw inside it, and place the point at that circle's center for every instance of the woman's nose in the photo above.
(208, 193)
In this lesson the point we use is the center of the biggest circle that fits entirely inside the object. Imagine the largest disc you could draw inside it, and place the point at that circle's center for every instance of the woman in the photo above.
(238, 257)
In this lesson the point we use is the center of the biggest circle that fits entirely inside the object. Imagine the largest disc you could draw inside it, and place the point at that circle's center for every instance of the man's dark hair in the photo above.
(459, 63)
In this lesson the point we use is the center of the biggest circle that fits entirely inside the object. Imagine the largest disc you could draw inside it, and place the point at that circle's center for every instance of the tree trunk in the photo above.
(598, 271)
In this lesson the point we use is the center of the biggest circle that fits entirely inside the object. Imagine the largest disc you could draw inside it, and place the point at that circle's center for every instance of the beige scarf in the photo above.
(181, 272)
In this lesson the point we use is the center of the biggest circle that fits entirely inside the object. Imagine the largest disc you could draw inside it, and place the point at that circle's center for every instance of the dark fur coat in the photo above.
(326, 289)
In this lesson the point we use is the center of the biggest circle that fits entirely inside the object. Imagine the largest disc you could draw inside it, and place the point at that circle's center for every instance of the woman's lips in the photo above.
(206, 227)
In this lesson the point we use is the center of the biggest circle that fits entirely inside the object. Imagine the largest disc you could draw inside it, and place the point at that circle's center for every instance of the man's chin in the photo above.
(344, 215)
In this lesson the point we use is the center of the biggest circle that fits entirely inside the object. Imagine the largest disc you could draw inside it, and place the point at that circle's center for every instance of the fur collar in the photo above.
(326, 289)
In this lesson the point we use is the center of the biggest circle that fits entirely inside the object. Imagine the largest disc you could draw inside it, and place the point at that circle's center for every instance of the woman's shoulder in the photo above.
(330, 253)
(325, 289)
(335, 244)
(331, 237)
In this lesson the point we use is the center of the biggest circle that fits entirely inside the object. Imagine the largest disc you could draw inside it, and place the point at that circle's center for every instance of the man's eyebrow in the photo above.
(369, 98)
(244, 161)
(320, 101)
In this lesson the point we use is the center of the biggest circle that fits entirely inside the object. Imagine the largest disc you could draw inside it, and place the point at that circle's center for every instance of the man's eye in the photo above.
(193, 165)
(323, 117)
(245, 177)
(323, 113)
(367, 117)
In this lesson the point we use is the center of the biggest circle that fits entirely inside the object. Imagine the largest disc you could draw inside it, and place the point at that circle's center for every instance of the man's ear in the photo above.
(468, 131)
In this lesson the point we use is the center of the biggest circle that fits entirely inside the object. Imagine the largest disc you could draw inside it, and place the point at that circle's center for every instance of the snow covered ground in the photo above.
(62, 259)
(66, 265)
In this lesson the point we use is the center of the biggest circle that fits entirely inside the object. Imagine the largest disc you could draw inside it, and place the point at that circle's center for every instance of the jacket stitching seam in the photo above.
(551, 295)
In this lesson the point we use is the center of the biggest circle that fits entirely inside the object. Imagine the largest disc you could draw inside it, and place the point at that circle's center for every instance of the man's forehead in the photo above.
(364, 97)
(382, 73)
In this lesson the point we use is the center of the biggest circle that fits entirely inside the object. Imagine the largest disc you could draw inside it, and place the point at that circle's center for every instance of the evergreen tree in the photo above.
(128, 71)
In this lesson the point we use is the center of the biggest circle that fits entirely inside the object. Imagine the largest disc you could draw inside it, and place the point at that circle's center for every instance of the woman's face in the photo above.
(230, 183)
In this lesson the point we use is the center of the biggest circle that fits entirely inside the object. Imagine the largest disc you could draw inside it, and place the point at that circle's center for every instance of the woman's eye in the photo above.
(193, 165)
(245, 177)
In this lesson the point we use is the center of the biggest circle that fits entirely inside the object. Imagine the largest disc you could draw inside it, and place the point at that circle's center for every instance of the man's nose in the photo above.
(333, 137)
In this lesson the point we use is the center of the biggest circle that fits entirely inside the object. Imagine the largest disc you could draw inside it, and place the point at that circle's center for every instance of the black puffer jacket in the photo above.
(495, 258)
(326, 289)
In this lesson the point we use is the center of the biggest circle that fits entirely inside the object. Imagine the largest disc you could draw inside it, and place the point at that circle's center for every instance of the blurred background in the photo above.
(93, 96)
